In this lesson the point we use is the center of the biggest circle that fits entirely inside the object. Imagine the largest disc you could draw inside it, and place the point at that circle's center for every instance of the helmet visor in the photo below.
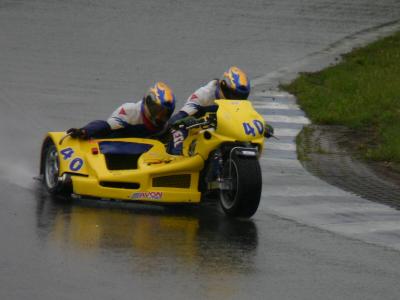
(156, 113)
(234, 94)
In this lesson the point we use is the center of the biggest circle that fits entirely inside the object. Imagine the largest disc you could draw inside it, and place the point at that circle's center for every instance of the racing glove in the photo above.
(185, 122)
(77, 133)
(268, 130)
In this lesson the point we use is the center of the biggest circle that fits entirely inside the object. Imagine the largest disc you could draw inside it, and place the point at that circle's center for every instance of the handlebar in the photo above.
(203, 122)
(199, 124)
(63, 138)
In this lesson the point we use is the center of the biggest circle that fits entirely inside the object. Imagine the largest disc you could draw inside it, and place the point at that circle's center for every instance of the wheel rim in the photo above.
(51, 167)
(228, 197)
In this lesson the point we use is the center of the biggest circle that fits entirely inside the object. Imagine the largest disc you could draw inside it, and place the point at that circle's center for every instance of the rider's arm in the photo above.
(126, 114)
(120, 118)
(96, 129)
(199, 100)
(178, 116)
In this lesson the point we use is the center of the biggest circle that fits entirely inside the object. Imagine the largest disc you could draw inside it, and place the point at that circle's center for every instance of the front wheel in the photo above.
(51, 171)
(243, 196)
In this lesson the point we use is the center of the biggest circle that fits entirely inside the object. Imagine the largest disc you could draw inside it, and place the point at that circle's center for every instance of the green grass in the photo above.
(362, 92)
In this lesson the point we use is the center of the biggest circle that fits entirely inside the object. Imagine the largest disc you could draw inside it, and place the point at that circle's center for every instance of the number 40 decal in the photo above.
(75, 164)
(250, 130)
(67, 153)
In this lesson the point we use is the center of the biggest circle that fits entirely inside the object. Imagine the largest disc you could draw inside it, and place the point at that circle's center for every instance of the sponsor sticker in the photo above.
(147, 196)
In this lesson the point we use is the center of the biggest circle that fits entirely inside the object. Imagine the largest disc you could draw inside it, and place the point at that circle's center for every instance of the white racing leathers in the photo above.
(126, 121)
(202, 100)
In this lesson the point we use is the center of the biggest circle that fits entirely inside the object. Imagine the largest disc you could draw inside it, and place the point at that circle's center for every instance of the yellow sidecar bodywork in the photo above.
(159, 177)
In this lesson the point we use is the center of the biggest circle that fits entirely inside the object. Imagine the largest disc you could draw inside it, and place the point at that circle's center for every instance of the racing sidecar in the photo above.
(220, 156)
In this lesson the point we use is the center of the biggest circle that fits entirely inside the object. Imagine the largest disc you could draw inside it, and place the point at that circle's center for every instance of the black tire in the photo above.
(50, 171)
(244, 198)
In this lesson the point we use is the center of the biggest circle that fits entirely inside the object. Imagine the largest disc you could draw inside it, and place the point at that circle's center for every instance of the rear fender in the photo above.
(71, 156)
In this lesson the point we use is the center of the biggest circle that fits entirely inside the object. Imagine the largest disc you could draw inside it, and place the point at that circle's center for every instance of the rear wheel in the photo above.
(243, 196)
(51, 171)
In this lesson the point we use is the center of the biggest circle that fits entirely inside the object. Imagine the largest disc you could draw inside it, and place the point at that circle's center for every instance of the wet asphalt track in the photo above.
(65, 63)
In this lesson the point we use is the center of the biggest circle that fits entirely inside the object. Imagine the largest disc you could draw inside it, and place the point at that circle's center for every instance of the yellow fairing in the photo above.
(237, 122)
(159, 177)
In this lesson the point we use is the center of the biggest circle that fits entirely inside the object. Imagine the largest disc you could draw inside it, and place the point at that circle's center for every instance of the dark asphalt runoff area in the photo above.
(65, 63)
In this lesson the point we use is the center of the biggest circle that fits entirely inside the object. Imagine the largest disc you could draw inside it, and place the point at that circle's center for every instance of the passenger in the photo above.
(144, 118)
(234, 85)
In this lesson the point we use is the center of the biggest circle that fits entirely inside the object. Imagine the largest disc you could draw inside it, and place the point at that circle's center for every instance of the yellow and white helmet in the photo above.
(235, 84)
(158, 104)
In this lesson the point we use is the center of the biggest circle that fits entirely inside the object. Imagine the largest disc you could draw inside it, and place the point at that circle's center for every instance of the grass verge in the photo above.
(362, 92)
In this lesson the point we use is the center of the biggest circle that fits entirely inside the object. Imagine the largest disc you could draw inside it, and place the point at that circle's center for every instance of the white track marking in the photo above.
(273, 94)
(275, 105)
(287, 119)
(285, 132)
(280, 146)
(366, 227)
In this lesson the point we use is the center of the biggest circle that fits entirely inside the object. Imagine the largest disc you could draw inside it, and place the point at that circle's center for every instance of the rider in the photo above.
(144, 118)
(234, 85)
